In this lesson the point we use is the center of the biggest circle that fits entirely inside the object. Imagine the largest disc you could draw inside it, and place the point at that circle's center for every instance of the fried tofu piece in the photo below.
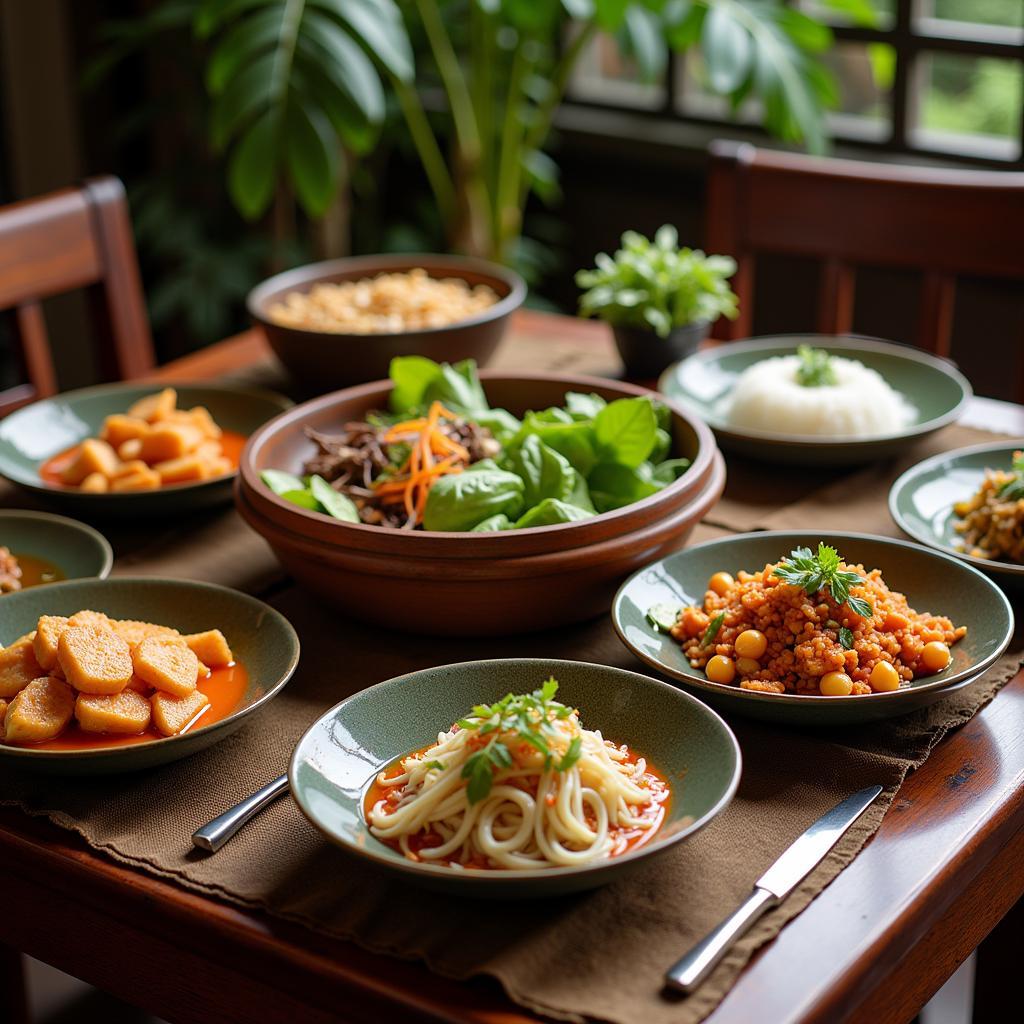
(18, 667)
(3, 712)
(202, 419)
(210, 647)
(205, 671)
(141, 480)
(87, 617)
(40, 712)
(167, 663)
(168, 441)
(120, 428)
(127, 713)
(93, 456)
(48, 631)
(155, 407)
(129, 453)
(139, 686)
(130, 467)
(172, 714)
(187, 469)
(94, 660)
(95, 483)
(134, 631)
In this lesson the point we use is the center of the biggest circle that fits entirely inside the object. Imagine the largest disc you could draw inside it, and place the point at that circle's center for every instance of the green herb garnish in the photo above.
(663, 617)
(846, 638)
(713, 627)
(530, 718)
(1013, 490)
(436, 764)
(815, 369)
(821, 572)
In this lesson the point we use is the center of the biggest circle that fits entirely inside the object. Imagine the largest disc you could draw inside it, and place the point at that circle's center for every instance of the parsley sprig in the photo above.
(815, 369)
(528, 717)
(1013, 489)
(821, 572)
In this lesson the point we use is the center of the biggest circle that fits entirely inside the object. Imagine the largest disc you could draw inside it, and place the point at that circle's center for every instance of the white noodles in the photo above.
(533, 817)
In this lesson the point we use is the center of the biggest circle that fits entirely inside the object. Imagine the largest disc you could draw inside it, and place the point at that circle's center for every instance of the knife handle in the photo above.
(686, 974)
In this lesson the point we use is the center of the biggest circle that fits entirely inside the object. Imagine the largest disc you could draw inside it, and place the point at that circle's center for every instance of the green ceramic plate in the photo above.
(936, 389)
(77, 550)
(261, 639)
(932, 582)
(921, 501)
(338, 758)
(33, 434)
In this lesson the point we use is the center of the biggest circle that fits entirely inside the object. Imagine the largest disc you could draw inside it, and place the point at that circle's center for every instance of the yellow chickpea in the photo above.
(884, 677)
(935, 656)
(751, 643)
(747, 666)
(720, 583)
(720, 669)
(836, 684)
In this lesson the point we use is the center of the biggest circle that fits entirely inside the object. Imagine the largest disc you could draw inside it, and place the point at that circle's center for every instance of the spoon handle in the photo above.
(213, 835)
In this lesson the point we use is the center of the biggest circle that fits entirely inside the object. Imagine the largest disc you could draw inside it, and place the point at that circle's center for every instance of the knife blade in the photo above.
(796, 862)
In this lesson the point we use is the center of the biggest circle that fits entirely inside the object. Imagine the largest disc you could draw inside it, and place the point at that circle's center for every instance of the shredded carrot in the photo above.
(410, 485)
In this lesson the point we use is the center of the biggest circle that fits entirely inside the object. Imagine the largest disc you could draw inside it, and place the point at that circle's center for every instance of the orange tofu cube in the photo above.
(130, 467)
(142, 480)
(127, 713)
(167, 663)
(129, 452)
(48, 631)
(139, 686)
(171, 715)
(3, 712)
(169, 441)
(134, 631)
(202, 419)
(210, 647)
(93, 456)
(87, 617)
(155, 407)
(94, 660)
(18, 667)
(187, 469)
(40, 712)
(120, 428)
(95, 483)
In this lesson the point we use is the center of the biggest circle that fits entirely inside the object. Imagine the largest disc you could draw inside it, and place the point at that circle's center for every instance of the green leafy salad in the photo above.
(441, 458)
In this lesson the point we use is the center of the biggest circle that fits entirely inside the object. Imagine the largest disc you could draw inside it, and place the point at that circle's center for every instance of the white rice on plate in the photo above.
(768, 398)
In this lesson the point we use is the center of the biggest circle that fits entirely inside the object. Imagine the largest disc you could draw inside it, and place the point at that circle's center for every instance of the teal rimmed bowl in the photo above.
(933, 386)
(338, 758)
(932, 582)
(921, 501)
(77, 550)
(45, 428)
(261, 639)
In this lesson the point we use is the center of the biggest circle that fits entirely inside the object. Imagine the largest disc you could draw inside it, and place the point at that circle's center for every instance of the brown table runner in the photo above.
(598, 955)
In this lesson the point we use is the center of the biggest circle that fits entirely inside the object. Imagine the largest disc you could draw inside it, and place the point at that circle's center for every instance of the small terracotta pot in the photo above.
(323, 361)
(646, 355)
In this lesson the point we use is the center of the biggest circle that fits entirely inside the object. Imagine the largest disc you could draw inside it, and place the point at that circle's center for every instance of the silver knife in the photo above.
(770, 889)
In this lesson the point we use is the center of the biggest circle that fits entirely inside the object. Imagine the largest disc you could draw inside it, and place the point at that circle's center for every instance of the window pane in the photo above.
(874, 13)
(1004, 13)
(696, 99)
(864, 74)
(604, 74)
(970, 104)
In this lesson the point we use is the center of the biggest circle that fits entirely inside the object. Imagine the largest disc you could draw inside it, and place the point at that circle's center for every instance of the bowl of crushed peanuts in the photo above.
(341, 322)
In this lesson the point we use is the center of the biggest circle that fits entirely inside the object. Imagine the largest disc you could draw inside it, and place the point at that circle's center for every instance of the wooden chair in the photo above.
(848, 213)
(74, 238)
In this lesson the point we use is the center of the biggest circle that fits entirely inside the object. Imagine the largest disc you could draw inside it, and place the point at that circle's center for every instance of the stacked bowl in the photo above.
(465, 584)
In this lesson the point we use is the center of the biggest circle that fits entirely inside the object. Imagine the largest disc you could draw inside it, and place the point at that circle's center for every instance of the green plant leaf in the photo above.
(727, 48)
(335, 504)
(613, 485)
(460, 501)
(311, 150)
(493, 524)
(626, 431)
(212, 14)
(324, 41)
(244, 95)
(544, 472)
(550, 512)
(643, 33)
(610, 14)
(379, 24)
(252, 169)
(411, 376)
(241, 45)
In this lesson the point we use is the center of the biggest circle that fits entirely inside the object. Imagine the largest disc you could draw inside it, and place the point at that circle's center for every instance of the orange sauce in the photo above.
(224, 686)
(49, 472)
(624, 838)
(37, 570)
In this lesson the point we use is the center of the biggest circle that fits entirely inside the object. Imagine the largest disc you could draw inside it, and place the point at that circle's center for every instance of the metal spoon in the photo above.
(213, 835)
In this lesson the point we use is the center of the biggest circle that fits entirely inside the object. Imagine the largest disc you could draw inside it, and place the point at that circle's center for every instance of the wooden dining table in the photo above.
(943, 874)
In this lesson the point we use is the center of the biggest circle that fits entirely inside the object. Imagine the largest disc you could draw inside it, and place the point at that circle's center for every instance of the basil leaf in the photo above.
(669, 471)
(580, 496)
(573, 440)
(613, 485)
(459, 501)
(626, 431)
(458, 387)
(583, 407)
(492, 524)
(662, 445)
(549, 512)
(411, 376)
(280, 482)
(846, 637)
(544, 472)
(501, 423)
(860, 607)
(336, 504)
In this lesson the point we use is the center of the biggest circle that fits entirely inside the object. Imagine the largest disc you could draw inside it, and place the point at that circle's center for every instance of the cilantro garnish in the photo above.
(1013, 490)
(821, 572)
(815, 369)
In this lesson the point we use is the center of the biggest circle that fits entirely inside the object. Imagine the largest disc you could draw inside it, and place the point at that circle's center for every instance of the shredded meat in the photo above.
(10, 572)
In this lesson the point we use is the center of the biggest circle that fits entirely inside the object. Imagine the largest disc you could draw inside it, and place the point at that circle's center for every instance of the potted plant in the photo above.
(659, 299)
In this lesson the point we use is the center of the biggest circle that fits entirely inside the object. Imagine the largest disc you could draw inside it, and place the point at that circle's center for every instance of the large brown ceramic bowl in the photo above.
(322, 361)
(466, 583)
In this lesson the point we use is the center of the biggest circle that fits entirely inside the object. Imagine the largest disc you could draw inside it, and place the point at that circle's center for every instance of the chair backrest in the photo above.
(848, 213)
(74, 238)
